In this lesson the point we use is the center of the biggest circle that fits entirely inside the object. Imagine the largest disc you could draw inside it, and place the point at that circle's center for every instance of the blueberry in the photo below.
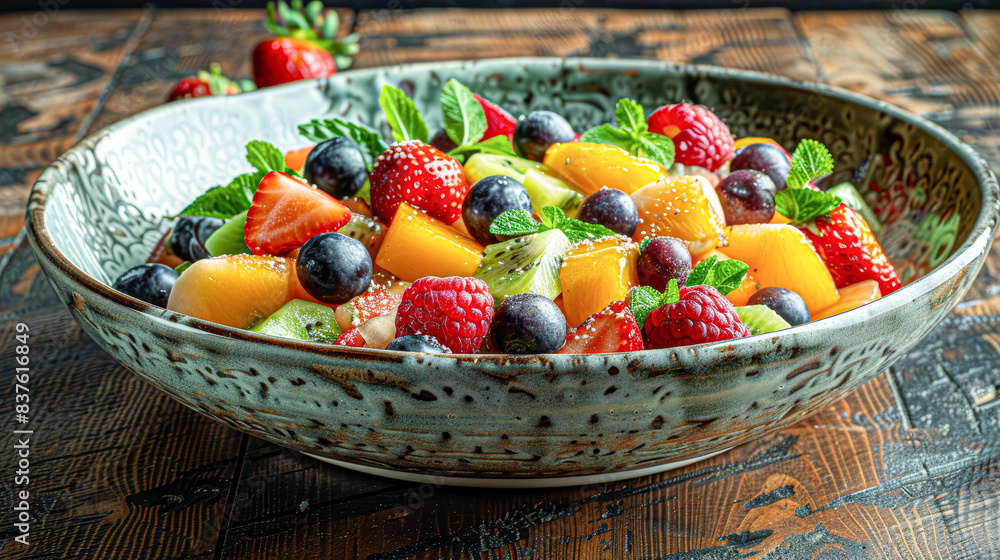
(488, 198)
(766, 158)
(539, 130)
(529, 324)
(187, 240)
(417, 343)
(612, 209)
(150, 283)
(334, 268)
(787, 304)
(664, 259)
(747, 197)
(443, 142)
(337, 167)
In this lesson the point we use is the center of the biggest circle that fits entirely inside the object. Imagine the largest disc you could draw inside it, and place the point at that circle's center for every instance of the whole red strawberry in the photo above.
(612, 329)
(849, 249)
(498, 121)
(456, 311)
(421, 175)
(700, 138)
(304, 45)
(702, 315)
(206, 84)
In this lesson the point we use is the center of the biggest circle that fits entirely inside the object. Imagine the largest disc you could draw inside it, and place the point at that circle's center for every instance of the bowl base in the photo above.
(545, 482)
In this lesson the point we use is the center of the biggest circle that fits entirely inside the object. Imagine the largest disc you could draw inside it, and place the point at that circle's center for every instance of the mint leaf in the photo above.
(264, 157)
(672, 294)
(700, 272)
(553, 217)
(724, 276)
(607, 134)
(225, 201)
(658, 148)
(368, 141)
(514, 223)
(809, 161)
(464, 118)
(642, 300)
(802, 205)
(402, 114)
(631, 116)
(498, 145)
(577, 230)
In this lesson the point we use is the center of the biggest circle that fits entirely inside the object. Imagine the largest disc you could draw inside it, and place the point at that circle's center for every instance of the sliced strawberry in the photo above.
(498, 121)
(371, 304)
(420, 175)
(350, 338)
(611, 330)
(849, 249)
(285, 213)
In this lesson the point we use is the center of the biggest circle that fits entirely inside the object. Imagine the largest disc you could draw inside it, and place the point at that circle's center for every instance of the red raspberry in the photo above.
(455, 310)
(700, 138)
(421, 175)
(702, 315)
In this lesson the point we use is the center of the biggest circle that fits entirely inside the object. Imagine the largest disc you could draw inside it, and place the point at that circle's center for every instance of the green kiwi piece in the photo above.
(302, 320)
(228, 239)
(761, 319)
(530, 263)
(543, 184)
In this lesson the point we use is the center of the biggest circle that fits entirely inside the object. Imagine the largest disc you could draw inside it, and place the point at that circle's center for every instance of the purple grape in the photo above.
(664, 259)
(747, 197)
(766, 158)
(612, 209)
(787, 304)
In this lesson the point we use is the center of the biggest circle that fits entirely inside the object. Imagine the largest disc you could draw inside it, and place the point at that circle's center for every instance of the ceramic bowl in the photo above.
(502, 420)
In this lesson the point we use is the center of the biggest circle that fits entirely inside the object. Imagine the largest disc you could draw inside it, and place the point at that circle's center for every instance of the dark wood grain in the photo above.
(905, 467)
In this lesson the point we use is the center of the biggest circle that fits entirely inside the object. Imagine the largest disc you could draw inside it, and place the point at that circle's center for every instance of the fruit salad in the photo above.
(512, 235)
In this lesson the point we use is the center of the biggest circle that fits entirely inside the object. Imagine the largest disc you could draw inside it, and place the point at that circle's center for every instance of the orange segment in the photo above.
(741, 295)
(596, 273)
(592, 166)
(851, 297)
(236, 290)
(685, 207)
(782, 256)
(417, 245)
(296, 159)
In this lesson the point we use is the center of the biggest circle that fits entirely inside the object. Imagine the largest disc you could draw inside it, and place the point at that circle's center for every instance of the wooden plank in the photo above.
(981, 26)
(53, 68)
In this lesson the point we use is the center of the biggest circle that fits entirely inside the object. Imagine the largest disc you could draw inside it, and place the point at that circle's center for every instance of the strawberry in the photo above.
(498, 121)
(420, 175)
(351, 337)
(611, 330)
(304, 46)
(205, 84)
(849, 249)
(285, 213)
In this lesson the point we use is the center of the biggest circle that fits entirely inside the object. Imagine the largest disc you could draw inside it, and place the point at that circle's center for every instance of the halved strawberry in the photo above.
(498, 121)
(850, 250)
(421, 175)
(611, 330)
(350, 338)
(285, 213)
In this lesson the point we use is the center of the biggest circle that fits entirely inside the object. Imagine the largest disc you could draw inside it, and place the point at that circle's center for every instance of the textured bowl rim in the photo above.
(979, 239)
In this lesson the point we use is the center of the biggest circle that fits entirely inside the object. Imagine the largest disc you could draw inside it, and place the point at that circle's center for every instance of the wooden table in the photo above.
(908, 466)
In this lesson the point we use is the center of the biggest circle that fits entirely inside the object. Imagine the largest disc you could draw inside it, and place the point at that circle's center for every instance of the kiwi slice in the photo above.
(851, 197)
(543, 184)
(530, 263)
(366, 230)
(302, 320)
(761, 319)
(228, 239)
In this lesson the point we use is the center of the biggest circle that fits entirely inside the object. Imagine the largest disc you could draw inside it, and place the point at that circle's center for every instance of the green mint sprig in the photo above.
(517, 222)
(633, 135)
(403, 116)
(464, 118)
(224, 202)
(644, 299)
(498, 145)
(724, 276)
(368, 141)
(809, 161)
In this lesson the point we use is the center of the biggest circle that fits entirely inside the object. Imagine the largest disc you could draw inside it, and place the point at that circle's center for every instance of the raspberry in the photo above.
(455, 310)
(700, 138)
(702, 315)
